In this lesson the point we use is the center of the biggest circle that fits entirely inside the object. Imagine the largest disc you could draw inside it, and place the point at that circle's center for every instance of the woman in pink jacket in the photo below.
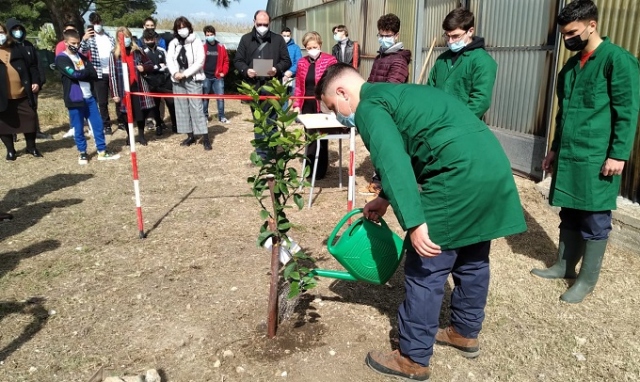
(310, 70)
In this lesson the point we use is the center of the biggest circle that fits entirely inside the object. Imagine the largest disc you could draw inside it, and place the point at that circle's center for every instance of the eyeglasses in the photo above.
(453, 37)
(262, 25)
(385, 35)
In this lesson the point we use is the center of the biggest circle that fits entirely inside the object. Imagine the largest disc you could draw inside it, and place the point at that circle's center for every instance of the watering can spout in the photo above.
(340, 275)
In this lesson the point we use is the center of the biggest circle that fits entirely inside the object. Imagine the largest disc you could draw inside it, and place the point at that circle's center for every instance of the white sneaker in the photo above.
(69, 134)
(224, 120)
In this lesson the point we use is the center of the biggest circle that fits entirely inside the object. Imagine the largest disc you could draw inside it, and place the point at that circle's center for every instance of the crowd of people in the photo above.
(465, 194)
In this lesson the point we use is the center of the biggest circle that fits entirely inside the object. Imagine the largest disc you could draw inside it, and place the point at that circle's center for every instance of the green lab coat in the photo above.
(471, 78)
(439, 164)
(597, 119)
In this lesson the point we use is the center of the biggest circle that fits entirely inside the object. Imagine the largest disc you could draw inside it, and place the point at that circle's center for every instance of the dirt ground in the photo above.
(80, 291)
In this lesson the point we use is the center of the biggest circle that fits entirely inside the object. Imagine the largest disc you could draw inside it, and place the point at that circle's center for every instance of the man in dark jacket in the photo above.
(345, 50)
(261, 43)
(390, 65)
(19, 34)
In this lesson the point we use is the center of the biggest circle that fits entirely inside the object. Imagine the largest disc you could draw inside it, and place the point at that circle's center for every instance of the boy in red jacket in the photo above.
(216, 66)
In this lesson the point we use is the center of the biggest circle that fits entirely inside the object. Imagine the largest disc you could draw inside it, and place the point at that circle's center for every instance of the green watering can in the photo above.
(368, 251)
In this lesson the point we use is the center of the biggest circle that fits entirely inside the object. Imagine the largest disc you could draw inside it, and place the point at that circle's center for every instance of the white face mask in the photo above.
(97, 28)
(183, 32)
(287, 39)
(3, 38)
(262, 30)
(314, 53)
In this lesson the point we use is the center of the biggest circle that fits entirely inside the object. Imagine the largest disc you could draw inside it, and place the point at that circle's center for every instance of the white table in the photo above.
(330, 128)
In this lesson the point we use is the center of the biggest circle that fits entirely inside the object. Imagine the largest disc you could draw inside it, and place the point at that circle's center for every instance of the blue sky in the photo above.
(240, 11)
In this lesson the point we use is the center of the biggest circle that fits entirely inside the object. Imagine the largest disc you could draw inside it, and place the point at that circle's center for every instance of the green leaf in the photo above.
(298, 200)
(264, 214)
(295, 275)
(264, 236)
(288, 118)
(294, 289)
(288, 269)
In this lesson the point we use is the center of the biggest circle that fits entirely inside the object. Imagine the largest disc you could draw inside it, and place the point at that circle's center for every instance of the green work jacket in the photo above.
(596, 120)
(439, 165)
(471, 78)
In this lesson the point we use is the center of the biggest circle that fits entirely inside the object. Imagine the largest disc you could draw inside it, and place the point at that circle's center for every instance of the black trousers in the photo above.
(170, 105)
(102, 95)
(592, 225)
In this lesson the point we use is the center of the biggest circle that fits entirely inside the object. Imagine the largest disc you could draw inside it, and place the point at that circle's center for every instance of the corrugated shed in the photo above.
(322, 20)
(617, 20)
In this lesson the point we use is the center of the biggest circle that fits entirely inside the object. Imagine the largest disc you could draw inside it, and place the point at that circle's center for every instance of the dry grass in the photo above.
(170, 302)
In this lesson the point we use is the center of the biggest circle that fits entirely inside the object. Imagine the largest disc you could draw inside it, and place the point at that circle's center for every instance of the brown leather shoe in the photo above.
(396, 365)
(468, 347)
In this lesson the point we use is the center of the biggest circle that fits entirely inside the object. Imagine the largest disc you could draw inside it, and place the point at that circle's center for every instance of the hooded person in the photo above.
(466, 70)
(19, 34)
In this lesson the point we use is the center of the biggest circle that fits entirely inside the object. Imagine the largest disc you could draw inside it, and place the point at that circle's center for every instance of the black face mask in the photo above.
(576, 43)
(73, 49)
(151, 45)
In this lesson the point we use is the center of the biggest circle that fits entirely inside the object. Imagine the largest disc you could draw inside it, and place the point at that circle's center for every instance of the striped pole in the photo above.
(132, 143)
(351, 195)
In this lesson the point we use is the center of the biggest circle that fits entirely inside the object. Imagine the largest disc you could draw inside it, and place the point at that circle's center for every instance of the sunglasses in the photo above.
(262, 25)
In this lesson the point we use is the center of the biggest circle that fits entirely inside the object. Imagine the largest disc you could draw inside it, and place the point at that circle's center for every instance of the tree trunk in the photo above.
(64, 11)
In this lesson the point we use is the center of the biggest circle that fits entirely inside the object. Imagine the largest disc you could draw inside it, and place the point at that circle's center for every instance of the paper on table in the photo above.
(262, 66)
(319, 121)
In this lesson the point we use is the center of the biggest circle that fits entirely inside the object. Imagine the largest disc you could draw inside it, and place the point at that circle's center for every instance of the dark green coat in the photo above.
(597, 119)
(439, 165)
(471, 78)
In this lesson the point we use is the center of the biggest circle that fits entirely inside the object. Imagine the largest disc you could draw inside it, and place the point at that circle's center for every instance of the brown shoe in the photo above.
(371, 189)
(468, 347)
(396, 365)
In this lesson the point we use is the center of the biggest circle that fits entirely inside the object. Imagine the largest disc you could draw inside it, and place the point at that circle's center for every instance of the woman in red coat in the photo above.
(310, 70)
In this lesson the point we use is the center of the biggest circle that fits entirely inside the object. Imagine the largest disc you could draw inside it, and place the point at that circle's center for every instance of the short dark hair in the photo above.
(459, 18)
(149, 34)
(389, 22)
(334, 71)
(180, 21)
(209, 29)
(94, 18)
(341, 28)
(149, 19)
(578, 10)
(71, 34)
(286, 29)
(69, 24)
(259, 12)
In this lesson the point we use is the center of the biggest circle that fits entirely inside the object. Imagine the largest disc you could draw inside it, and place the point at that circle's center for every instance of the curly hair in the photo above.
(389, 22)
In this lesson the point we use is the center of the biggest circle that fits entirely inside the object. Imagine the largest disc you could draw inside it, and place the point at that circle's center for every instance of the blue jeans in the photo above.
(213, 86)
(90, 112)
(592, 225)
(424, 283)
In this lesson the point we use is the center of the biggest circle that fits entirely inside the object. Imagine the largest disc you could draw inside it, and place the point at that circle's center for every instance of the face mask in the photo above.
(127, 42)
(386, 42)
(338, 37)
(262, 30)
(314, 53)
(349, 120)
(287, 39)
(97, 28)
(72, 49)
(151, 45)
(183, 32)
(210, 39)
(576, 43)
(457, 46)
(17, 34)
(3, 38)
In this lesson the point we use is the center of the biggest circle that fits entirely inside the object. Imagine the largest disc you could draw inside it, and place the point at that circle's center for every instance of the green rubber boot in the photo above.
(570, 249)
(589, 272)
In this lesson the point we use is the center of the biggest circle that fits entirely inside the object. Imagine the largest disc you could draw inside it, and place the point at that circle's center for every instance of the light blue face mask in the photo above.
(457, 46)
(386, 42)
(210, 39)
(127, 42)
(17, 34)
(349, 120)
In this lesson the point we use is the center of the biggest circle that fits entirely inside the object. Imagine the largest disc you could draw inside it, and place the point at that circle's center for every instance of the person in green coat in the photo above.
(598, 96)
(451, 188)
(466, 70)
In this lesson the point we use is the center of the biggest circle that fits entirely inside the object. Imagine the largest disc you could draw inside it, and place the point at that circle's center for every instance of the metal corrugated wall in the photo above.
(322, 20)
(617, 20)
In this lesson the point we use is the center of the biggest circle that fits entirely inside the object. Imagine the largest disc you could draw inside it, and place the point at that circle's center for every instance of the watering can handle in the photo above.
(346, 218)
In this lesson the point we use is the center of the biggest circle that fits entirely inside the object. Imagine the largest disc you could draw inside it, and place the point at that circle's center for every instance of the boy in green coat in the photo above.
(451, 188)
(466, 70)
(598, 96)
